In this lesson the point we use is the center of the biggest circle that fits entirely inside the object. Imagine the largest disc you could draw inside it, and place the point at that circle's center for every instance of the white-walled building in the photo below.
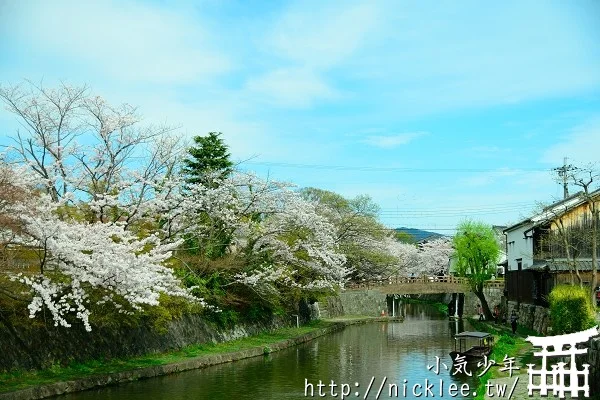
(536, 263)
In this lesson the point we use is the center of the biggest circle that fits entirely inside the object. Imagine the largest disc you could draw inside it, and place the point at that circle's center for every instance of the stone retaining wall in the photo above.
(371, 302)
(531, 316)
(331, 307)
(363, 302)
(593, 358)
(29, 348)
(493, 296)
(55, 389)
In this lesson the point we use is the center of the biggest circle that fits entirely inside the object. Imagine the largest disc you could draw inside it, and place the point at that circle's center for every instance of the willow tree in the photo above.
(476, 248)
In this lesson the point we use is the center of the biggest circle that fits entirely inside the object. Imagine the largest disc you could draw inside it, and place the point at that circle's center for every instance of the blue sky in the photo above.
(440, 110)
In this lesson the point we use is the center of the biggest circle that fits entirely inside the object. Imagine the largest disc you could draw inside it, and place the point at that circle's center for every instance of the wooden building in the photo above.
(547, 248)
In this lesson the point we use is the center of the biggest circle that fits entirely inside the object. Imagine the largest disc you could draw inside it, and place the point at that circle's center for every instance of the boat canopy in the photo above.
(477, 335)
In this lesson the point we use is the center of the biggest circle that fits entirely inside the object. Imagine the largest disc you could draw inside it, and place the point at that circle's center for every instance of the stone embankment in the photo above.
(31, 347)
(531, 316)
(372, 302)
(58, 388)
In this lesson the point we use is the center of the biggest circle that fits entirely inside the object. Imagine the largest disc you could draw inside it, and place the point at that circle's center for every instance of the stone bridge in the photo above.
(422, 285)
(373, 297)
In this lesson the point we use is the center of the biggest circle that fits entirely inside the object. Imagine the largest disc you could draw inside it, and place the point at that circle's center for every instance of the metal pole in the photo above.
(456, 306)
(564, 176)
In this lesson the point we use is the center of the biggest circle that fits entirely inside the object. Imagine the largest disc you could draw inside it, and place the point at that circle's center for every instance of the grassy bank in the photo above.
(506, 344)
(16, 380)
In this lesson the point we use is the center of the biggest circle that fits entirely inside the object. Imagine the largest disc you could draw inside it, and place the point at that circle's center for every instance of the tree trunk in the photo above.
(461, 305)
(571, 277)
(484, 304)
(577, 273)
(570, 261)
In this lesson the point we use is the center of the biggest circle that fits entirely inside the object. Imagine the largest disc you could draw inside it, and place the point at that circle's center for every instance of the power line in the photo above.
(436, 214)
(415, 214)
(487, 207)
(388, 229)
(428, 211)
(432, 217)
(385, 169)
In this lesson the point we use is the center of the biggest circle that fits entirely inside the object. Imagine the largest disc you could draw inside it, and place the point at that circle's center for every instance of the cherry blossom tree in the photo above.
(79, 257)
(358, 233)
(77, 143)
(107, 211)
(434, 256)
(298, 244)
(429, 258)
(285, 243)
(406, 256)
(280, 241)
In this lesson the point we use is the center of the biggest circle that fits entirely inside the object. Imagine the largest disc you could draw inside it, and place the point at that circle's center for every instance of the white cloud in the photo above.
(134, 42)
(245, 137)
(392, 141)
(426, 59)
(311, 39)
(292, 87)
(322, 36)
(406, 59)
(581, 145)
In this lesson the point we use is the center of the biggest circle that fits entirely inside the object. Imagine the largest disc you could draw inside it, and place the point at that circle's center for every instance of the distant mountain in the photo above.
(419, 234)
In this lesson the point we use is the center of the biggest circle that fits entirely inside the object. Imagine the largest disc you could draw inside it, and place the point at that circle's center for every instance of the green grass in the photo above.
(506, 344)
(20, 379)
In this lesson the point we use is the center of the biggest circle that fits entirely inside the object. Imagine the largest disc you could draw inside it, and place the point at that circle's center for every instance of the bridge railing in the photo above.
(447, 279)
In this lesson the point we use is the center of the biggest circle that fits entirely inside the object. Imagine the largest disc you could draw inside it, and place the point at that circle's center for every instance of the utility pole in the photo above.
(563, 173)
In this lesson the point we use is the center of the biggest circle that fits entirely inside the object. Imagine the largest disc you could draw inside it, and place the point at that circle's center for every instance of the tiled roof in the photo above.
(554, 210)
(561, 265)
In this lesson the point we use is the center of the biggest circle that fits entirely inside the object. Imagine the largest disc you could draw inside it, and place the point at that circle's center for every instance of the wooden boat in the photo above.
(472, 345)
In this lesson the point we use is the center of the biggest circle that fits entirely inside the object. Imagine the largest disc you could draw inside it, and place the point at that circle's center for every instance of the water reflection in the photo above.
(398, 351)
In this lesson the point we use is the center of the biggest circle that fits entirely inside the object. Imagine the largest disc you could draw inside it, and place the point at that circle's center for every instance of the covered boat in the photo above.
(472, 345)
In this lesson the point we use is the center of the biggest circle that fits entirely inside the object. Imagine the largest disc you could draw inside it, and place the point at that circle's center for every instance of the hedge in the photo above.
(571, 309)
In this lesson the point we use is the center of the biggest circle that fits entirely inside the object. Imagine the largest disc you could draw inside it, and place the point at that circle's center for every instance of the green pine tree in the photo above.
(209, 155)
(208, 159)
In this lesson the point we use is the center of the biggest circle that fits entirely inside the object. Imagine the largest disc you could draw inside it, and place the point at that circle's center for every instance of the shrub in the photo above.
(571, 309)
(223, 318)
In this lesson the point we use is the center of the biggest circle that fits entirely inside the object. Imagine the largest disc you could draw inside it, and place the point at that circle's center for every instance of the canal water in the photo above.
(396, 353)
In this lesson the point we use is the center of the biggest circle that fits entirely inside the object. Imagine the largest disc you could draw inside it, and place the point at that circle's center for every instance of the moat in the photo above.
(394, 351)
